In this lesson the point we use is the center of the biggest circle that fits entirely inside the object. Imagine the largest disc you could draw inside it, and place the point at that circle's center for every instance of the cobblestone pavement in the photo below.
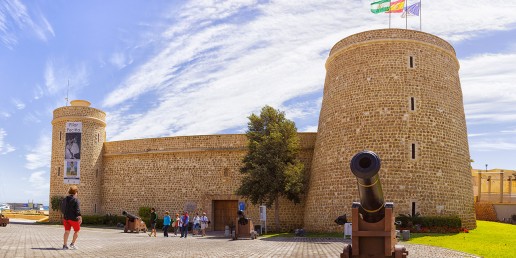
(29, 240)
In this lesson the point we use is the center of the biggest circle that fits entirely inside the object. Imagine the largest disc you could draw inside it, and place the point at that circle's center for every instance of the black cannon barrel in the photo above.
(130, 216)
(365, 166)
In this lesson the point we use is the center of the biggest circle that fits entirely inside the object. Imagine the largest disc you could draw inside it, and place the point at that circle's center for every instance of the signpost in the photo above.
(263, 218)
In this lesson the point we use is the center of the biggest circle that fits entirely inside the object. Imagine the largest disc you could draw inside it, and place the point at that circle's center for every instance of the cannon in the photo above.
(244, 227)
(133, 223)
(373, 229)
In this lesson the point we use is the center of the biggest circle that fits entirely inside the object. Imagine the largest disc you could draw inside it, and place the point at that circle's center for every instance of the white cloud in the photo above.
(15, 17)
(476, 134)
(4, 147)
(58, 74)
(509, 131)
(32, 118)
(492, 145)
(312, 128)
(39, 186)
(18, 103)
(222, 60)
(39, 155)
(120, 60)
(4, 114)
(488, 88)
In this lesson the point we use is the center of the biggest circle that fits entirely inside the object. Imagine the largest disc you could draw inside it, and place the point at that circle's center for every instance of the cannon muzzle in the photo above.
(365, 166)
(130, 216)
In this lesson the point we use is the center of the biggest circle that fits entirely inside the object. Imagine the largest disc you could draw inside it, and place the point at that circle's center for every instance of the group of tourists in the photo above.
(180, 223)
(70, 209)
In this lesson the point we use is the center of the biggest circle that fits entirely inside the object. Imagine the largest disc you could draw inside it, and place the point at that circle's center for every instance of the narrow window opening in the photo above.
(411, 61)
(412, 104)
(413, 209)
(95, 209)
(98, 137)
(58, 171)
(226, 171)
(60, 135)
(413, 151)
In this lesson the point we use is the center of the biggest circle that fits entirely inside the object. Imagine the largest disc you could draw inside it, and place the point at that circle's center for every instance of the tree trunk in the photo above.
(276, 214)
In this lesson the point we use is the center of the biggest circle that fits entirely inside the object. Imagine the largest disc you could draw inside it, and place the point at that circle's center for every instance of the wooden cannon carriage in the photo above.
(133, 223)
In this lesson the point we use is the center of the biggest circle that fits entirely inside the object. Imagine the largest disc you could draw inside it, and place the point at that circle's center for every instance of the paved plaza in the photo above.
(30, 240)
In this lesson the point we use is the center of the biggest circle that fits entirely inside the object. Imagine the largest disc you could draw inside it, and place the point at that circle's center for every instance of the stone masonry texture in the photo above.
(373, 99)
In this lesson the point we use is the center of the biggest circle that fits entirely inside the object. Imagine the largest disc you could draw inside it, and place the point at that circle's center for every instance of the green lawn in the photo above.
(489, 239)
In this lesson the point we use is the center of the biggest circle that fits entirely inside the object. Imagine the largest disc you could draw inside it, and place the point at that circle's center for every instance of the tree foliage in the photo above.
(271, 168)
(55, 202)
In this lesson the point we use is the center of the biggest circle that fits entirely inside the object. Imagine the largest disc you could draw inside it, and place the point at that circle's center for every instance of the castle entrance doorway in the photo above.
(224, 212)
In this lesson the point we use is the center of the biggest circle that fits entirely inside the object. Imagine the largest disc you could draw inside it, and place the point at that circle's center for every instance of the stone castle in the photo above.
(393, 91)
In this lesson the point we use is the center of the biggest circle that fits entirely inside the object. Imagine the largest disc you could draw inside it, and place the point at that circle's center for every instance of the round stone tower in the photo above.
(88, 140)
(395, 92)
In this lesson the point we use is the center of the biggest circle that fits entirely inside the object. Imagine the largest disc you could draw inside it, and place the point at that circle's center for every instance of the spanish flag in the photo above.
(397, 6)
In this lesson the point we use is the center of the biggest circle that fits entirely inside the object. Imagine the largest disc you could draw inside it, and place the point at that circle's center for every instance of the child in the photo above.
(166, 224)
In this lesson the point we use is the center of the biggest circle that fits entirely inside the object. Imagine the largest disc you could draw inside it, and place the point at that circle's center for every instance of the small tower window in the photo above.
(412, 103)
(58, 171)
(60, 135)
(411, 62)
(226, 171)
(413, 151)
(95, 209)
(413, 209)
(98, 137)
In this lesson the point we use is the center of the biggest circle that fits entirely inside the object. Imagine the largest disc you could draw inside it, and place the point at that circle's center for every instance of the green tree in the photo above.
(271, 168)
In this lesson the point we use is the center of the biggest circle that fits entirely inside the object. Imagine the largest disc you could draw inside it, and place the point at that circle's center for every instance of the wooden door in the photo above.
(224, 212)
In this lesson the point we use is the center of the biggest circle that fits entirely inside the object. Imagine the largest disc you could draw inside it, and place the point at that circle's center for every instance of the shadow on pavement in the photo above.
(45, 248)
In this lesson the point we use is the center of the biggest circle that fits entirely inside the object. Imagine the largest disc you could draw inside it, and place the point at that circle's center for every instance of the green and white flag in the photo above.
(381, 6)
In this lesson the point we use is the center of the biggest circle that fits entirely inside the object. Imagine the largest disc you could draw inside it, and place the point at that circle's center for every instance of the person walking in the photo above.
(176, 223)
(185, 220)
(166, 223)
(153, 221)
(196, 224)
(70, 207)
(204, 223)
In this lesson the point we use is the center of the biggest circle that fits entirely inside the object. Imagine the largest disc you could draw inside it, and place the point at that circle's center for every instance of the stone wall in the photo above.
(175, 172)
(385, 91)
(485, 211)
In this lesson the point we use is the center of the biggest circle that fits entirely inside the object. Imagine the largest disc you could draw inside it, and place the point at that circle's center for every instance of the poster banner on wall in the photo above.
(72, 164)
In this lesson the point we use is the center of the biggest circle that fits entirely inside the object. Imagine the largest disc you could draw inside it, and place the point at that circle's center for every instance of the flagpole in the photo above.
(390, 2)
(420, 11)
(406, 14)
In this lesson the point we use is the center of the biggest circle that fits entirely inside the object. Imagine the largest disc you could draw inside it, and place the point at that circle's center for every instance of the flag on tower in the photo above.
(397, 6)
(381, 6)
(412, 10)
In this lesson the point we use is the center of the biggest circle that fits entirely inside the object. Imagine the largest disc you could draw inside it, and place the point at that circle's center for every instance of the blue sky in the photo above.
(165, 68)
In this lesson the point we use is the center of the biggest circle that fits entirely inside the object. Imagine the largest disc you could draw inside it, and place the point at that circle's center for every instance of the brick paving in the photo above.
(29, 240)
